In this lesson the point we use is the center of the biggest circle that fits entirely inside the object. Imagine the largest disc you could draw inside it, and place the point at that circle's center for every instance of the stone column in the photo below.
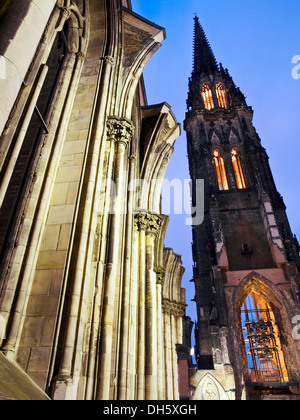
(101, 169)
(153, 228)
(174, 356)
(173, 313)
(141, 225)
(149, 226)
(120, 131)
(160, 274)
(133, 318)
(123, 386)
(167, 352)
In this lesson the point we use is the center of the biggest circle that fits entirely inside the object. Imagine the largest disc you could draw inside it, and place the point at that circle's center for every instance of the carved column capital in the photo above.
(80, 56)
(119, 130)
(151, 223)
(171, 307)
(108, 59)
(160, 275)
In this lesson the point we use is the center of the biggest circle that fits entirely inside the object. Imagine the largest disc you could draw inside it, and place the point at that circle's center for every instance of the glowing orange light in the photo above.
(221, 95)
(221, 171)
(207, 97)
(238, 170)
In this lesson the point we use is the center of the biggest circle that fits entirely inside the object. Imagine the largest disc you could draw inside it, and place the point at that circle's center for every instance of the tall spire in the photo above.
(205, 65)
(204, 59)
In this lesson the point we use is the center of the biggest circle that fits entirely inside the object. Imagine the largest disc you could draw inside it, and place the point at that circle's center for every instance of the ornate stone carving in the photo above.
(109, 60)
(151, 223)
(210, 391)
(80, 56)
(119, 130)
(65, 12)
(160, 275)
(172, 307)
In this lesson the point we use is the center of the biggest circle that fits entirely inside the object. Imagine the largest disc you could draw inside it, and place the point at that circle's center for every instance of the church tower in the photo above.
(246, 259)
(91, 302)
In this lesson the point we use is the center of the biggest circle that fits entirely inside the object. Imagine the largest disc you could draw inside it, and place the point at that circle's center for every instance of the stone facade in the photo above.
(92, 303)
(245, 245)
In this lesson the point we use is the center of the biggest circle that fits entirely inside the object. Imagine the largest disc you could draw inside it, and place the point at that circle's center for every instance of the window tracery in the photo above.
(221, 96)
(220, 171)
(207, 97)
(238, 169)
(261, 335)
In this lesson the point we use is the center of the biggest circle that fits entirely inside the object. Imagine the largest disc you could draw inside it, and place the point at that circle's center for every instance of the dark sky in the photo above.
(256, 40)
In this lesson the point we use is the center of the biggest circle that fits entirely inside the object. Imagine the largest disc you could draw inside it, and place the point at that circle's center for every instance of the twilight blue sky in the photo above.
(256, 40)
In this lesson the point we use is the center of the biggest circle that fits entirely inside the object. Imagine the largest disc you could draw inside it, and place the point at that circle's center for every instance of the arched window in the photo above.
(220, 171)
(261, 335)
(238, 169)
(207, 97)
(221, 95)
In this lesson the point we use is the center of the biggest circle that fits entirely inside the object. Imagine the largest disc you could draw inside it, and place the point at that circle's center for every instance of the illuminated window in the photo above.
(207, 97)
(261, 335)
(221, 95)
(220, 171)
(238, 169)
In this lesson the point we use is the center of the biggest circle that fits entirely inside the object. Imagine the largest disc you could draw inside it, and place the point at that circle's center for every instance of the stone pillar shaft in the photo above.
(119, 131)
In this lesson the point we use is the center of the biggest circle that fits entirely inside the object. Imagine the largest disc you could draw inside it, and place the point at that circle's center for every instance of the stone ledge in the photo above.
(16, 385)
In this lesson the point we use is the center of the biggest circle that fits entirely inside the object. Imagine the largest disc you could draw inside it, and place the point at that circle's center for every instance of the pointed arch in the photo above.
(221, 96)
(271, 297)
(238, 169)
(215, 140)
(210, 389)
(156, 152)
(233, 137)
(207, 97)
(266, 361)
(146, 37)
(256, 282)
(219, 163)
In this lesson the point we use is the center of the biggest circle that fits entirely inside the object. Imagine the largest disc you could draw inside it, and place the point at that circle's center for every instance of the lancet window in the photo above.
(207, 97)
(238, 169)
(220, 171)
(266, 363)
(221, 95)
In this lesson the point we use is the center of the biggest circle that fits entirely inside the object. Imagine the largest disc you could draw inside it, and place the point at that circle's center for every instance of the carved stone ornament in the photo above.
(151, 223)
(119, 130)
(80, 56)
(108, 59)
(171, 307)
(210, 391)
(65, 12)
(160, 275)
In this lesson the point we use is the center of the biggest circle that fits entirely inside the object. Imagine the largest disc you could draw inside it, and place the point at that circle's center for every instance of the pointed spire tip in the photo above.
(204, 59)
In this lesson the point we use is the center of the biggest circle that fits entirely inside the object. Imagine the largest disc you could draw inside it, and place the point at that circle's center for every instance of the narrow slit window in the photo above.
(238, 169)
(221, 95)
(220, 171)
(207, 97)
